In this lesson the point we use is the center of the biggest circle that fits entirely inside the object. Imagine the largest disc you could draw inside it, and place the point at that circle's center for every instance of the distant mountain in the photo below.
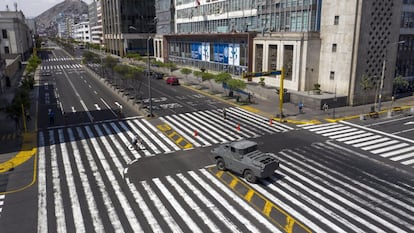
(47, 21)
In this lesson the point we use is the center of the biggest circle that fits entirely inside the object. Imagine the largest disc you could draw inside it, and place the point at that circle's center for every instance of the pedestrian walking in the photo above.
(325, 107)
(224, 114)
(51, 117)
(28, 116)
(300, 107)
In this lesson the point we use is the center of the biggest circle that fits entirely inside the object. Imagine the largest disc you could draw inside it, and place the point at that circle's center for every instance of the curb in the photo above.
(27, 151)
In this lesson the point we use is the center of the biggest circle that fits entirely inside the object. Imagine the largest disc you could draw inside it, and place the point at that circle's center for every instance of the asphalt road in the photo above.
(401, 125)
(336, 177)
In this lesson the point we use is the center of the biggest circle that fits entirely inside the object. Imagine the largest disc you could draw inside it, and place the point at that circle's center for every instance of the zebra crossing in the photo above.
(60, 67)
(210, 127)
(60, 59)
(389, 146)
(1, 202)
(82, 188)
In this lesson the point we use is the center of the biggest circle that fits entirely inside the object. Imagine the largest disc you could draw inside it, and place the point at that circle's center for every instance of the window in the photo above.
(6, 50)
(4, 32)
(336, 20)
(332, 75)
(334, 48)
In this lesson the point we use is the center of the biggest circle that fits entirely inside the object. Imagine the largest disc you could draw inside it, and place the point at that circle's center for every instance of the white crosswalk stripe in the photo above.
(382, 144)
(89, 161)
(211, 128)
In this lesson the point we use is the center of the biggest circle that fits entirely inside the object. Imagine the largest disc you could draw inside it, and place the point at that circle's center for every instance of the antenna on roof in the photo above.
(15, 6)
(7, 7)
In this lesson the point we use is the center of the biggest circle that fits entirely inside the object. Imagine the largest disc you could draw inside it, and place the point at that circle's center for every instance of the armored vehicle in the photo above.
(244, 158)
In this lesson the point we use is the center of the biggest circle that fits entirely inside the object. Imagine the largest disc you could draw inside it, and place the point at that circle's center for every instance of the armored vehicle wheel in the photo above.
(249, 176)
(220, 164)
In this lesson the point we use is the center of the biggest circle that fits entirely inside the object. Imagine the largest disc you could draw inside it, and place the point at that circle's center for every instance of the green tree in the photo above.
(236, 84)
(198, 74)
(366, 86)
(205, 76)
(223, 77)
(186, 72)
(399, 85)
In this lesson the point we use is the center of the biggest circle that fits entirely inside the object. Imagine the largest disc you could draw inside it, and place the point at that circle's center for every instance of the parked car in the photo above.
(154, 75)
(172, 80)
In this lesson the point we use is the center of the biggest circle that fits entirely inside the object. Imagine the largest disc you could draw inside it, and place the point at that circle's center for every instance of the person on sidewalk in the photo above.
(300, 105)
(28, 116)
(224, 114)
(51, 117)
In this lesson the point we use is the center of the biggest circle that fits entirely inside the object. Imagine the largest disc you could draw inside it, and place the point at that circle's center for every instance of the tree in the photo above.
(366, 86)
(197, 73)
(186, 72)
(400, 85)
(223, 77)
(205, 76)
(236, 84)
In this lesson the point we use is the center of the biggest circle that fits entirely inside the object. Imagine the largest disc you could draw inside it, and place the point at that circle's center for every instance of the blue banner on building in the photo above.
(196, 51)
(221, 53)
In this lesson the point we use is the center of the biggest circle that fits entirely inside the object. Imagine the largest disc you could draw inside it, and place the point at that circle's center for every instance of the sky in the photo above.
(31, 8)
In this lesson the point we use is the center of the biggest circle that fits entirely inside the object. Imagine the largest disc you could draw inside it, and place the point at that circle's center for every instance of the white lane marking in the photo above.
(154, 138)
(389, 121)
(340, 198)
(77, 94)
(402, 157)
(70, 182)
(171, 123)
(245, 120)
(97, 107)
(73, 109)
(193, 205)
(342, 132)
(387, 143)
(226, 221)
(92, 207)
(149, 125)
(107, 105)
(359, 138)
(95, 93)
(408, 162)
(312, 200)
(396, 152)
(177, 207)
(202, 131)
(42, 224)
(108, 148)
(323, 127)
(340, 128)
(152, 221)
(356, 186)
(249, 225)
(113, 217)
(161, 208)
(379, 132)
(118, 146)
(58, 204)
(373, 142)
(215, 131)
(388, 148)
(276, 124)
(127, 209)
(339, 136)
(188, 129)
(90, 86)
(222, 124)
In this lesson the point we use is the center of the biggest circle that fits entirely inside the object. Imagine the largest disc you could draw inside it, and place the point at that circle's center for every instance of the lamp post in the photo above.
(148, 73)
(383, 72)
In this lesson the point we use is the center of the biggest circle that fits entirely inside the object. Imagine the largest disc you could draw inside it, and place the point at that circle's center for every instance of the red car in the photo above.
(172, 80)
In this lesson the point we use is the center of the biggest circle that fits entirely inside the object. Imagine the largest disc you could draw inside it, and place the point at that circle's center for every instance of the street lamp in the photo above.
(148, 73)
(383, 72)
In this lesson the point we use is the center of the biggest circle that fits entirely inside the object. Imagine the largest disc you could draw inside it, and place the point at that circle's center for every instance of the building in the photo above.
(81, 32)
(95, 22)
(165, 12)
(127, 25)
(16, 38)
(332, 44)
(405, 61)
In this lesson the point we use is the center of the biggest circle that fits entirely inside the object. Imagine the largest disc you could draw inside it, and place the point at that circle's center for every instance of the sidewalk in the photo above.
(266, 102)
(17, 150)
